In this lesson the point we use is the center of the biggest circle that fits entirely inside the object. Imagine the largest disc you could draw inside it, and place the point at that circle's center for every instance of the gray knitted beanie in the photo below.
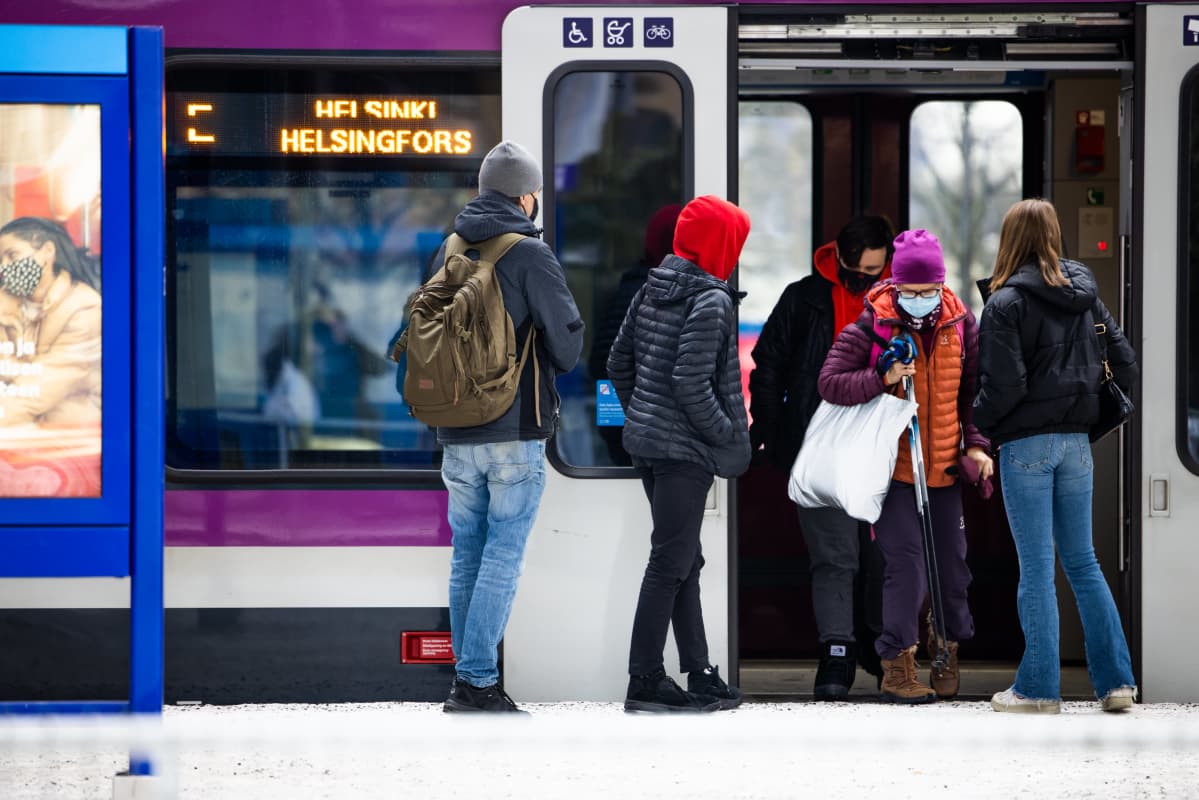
(511, 170)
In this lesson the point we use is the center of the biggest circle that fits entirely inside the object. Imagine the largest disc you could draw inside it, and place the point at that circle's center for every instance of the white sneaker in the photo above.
(1119, 699)
(1008, 700)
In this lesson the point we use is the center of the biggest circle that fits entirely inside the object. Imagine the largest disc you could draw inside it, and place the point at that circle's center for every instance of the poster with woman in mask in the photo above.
(50, 301)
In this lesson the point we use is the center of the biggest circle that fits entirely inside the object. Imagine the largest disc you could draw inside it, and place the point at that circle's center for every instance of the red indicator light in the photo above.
(1102, 246)
(426, 647)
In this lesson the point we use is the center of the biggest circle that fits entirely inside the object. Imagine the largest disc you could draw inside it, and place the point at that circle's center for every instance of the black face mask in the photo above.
(855, 282)
(536, 208)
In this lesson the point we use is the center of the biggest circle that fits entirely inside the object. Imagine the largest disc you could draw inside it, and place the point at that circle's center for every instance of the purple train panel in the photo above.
(306, 518)
(429, 25)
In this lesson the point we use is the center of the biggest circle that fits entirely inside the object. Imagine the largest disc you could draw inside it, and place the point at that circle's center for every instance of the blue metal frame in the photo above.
(113, 506)
(119, 533)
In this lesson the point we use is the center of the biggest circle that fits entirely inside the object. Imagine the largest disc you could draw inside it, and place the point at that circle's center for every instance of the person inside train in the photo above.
(787, 359)
(495, 473)
(659, 239)
(916, 303)
(675, 369)
(1040, 368)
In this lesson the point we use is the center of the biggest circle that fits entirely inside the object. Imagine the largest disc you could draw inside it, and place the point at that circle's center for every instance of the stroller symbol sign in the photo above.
(616, 32)
(576, 32)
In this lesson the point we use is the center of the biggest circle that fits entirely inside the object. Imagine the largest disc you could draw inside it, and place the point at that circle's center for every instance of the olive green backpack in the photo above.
(463, 369)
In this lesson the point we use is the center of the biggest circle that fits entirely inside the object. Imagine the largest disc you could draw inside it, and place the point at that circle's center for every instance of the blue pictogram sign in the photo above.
(659, 31)
(618, 31)
(576, 32)
(1190, 30)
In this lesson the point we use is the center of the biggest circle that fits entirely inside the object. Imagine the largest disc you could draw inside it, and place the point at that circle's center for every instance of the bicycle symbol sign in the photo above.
(659, 31)
(576, 32)
(616, 32)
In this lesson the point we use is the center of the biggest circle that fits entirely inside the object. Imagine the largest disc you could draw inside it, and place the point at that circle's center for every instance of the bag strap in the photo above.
(492, 249)
(1101, 338)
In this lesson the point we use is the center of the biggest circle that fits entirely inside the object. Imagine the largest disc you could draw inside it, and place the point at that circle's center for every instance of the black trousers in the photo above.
(677, 491)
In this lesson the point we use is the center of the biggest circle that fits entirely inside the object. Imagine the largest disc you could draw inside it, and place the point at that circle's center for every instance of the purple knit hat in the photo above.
(917, 258)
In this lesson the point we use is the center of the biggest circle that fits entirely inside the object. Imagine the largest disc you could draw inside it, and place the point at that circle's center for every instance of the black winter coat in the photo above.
(787, 360)
(1039, 365)
(675, 368)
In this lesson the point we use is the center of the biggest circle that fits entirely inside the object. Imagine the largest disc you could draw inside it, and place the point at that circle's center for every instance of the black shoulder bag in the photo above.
(1114, 406)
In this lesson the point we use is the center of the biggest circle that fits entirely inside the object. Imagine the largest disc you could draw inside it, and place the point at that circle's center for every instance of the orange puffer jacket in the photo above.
(936, 385)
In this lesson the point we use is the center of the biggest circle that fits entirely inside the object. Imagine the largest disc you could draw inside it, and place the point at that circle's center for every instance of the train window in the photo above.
(1188, 231)
(965, 170)
(304, 209)
(775, 172)
(618, 141)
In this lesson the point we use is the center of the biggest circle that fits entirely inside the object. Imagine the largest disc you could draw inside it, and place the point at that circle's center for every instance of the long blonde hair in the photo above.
(1030, 232)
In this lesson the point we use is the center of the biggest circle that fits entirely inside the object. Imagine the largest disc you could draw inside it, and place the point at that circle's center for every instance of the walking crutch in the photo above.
(920, 479)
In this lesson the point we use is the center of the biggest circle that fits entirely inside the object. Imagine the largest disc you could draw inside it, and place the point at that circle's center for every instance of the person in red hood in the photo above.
(787, 359)
(675, 368)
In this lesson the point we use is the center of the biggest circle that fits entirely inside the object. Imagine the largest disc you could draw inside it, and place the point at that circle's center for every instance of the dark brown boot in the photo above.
(947, 681)
(900, 684)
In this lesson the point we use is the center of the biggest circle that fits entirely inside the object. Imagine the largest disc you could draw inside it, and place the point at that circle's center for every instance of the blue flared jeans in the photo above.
(495, 490)
(1047, 486)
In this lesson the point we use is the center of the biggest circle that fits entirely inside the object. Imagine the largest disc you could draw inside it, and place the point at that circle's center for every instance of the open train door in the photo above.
(630, 109)
(1167, 268)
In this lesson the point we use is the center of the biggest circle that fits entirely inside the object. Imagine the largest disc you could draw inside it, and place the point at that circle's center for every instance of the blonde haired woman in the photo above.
(1039, 375)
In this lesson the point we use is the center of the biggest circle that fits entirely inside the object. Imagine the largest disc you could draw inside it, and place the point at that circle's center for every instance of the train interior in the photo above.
(947, 149)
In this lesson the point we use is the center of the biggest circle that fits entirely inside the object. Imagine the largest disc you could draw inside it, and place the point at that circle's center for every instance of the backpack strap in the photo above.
(492, 249)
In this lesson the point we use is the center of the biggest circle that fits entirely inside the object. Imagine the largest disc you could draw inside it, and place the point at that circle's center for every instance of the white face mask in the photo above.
(20, 278)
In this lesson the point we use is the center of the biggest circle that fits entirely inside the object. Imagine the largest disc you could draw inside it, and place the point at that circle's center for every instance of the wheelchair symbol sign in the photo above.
(576, 32)
(617, 33)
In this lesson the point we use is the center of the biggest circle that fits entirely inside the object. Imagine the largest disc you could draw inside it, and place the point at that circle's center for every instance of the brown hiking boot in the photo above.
(900, 684)
(947, 681)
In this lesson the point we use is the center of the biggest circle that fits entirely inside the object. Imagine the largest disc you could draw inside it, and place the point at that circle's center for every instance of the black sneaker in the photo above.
(838, 666)
(708, 683)
(466, 698)
(658, 692)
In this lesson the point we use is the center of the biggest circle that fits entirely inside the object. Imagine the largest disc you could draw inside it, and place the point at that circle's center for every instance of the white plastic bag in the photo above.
(849, 454)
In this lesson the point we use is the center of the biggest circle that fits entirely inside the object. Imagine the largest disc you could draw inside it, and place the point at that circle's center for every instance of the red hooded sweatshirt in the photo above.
(847, 307)
(710, 233)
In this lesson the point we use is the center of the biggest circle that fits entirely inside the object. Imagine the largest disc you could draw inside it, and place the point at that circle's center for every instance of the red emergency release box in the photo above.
(426, 647)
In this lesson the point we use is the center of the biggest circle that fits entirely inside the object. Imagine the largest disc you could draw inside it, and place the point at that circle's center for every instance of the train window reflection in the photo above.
(966, 164)
(775, 187)
(1189, 277)
(284, 298)
(618, 158)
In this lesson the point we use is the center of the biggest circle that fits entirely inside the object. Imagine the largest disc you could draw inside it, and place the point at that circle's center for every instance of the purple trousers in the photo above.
(905, 584)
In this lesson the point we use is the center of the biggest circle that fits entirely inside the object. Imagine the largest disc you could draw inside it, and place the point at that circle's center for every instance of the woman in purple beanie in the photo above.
(915, 301)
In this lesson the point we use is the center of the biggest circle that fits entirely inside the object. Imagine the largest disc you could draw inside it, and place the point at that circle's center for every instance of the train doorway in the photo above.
(911, 132)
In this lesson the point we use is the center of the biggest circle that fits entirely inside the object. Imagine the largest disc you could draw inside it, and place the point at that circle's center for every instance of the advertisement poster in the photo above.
(50, 300)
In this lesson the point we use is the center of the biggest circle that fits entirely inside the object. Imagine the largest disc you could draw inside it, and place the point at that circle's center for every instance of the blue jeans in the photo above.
(1047, 486)
(494, 493)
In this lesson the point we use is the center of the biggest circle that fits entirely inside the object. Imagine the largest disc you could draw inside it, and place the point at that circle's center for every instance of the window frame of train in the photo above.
(1187, 441)
(552, 195)
(461, 80)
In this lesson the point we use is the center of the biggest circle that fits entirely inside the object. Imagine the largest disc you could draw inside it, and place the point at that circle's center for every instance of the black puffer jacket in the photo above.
(1038, 357)
(675, 368)
(787, 360)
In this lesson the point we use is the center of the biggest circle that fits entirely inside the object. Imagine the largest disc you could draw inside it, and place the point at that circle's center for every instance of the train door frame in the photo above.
(811, 43)
(1165, 502)
(568, 636)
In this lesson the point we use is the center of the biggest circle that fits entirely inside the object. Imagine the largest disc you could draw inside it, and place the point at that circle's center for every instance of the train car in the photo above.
(316, 153)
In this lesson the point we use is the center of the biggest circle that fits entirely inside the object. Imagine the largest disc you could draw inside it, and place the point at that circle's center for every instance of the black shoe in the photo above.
(466, 698)
(708, 683)
(838, 665)
(659, 692)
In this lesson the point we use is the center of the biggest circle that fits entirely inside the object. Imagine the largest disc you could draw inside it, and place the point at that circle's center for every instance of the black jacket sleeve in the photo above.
(1002, 375)
(621, 366)
(771, 355)
(552, 307)
(693, 379)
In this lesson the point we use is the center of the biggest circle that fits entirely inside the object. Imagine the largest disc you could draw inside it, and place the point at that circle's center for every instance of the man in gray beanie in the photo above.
(495, 472)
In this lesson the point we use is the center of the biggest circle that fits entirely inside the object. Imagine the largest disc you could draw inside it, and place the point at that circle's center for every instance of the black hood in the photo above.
(1077, 297)
(677, 279)
(492, 214)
